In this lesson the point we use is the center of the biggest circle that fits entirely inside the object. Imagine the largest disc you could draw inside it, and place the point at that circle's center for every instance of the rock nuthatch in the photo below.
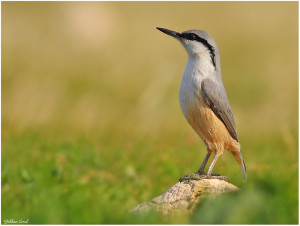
(204, 102)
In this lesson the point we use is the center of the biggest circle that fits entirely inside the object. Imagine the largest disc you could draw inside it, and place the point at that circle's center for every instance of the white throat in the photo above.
(197, 69)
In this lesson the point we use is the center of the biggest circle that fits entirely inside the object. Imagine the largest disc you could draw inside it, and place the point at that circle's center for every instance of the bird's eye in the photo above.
(189, 36)
(192, 36)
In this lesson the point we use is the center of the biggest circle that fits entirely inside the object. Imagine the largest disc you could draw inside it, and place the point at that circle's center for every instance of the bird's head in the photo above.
(197, 43)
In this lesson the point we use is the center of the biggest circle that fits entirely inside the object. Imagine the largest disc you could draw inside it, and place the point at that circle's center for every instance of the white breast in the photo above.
(195, 71)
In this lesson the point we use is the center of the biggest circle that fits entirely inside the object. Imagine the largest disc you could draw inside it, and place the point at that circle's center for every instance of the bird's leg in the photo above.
(212, 165)
(208, 175)
(215, 176)
(202, 167)
(200, 173)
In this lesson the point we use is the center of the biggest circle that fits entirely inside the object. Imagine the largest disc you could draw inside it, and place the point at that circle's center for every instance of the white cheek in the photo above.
(193, 47)
(197, 48)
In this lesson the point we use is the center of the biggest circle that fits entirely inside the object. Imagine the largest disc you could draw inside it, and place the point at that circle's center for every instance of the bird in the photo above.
(204, 102)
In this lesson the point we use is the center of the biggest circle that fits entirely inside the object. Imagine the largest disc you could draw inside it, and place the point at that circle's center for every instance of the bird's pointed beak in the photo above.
(174, 34)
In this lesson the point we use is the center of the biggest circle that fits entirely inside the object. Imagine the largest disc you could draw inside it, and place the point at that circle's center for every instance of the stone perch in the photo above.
(183, 197)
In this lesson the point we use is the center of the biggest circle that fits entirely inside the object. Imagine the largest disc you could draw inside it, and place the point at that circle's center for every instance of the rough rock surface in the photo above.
(184, 196)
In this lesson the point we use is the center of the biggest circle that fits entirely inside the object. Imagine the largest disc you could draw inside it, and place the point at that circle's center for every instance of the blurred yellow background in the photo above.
(92, 65)
(101, 70)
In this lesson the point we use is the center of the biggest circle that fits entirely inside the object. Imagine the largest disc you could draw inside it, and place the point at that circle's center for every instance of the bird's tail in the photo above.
(239, 158)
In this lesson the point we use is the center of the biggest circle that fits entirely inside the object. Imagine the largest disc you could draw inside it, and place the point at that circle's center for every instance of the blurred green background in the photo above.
(91, 122)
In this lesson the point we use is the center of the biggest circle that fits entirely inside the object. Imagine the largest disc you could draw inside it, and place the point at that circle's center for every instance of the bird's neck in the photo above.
(199, 67)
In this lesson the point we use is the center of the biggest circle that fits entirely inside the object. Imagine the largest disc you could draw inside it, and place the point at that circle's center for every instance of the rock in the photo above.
(184, 196)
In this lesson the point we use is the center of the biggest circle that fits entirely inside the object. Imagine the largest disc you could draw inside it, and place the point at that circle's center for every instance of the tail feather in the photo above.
(238, 156)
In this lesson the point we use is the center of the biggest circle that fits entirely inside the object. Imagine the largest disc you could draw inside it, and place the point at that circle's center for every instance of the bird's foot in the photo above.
(220, 177)
(202, 175)
(192, 176)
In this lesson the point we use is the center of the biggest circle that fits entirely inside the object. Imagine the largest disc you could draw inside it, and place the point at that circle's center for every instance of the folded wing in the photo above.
(216, 98)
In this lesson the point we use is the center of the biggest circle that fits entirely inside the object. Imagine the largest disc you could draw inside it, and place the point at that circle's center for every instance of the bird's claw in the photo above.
(201, 176)
(193, 176)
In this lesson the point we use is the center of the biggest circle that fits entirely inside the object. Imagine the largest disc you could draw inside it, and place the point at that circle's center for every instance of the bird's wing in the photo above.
(216, 98)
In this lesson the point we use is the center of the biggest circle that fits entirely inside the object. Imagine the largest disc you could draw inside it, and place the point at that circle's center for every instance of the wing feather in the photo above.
(216, 98)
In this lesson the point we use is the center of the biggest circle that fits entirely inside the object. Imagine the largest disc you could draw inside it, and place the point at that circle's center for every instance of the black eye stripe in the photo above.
(194, 37)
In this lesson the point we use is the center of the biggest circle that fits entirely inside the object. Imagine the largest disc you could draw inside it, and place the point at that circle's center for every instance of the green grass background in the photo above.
(91, 123)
